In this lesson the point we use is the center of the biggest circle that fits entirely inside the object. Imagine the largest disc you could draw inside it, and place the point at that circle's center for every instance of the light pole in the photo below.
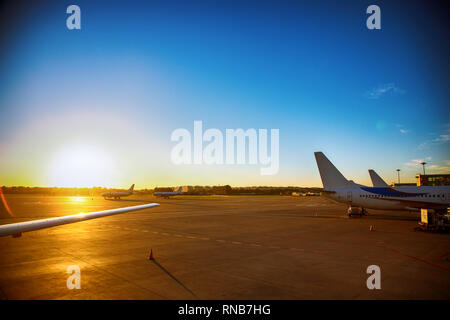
(398, 175)
(423, 163)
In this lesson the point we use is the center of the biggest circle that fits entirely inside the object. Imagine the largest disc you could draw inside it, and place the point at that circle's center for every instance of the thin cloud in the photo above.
(416, 162)
(441, 139)
(384, 89)
(402, 128)
(442, 167)
(435, 168)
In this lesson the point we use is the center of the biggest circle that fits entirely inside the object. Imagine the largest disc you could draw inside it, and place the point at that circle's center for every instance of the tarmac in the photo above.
(220, 247)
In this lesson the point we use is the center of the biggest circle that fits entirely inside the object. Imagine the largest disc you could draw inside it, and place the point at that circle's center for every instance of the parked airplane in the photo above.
(118, 194)
(169, 194)
(16, 229)
(359, 197)
(377, 181)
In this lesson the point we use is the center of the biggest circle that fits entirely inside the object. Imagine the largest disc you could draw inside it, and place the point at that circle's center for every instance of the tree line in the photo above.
(188, 190)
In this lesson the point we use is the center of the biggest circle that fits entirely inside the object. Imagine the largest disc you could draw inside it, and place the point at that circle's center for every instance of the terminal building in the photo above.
(433, 179)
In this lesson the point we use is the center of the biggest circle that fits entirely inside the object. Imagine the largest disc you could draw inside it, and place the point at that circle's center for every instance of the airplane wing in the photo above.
(16, 229)
(417, 204)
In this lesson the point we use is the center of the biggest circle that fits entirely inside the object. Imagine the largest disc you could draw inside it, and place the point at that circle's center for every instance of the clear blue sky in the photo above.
(137, 70)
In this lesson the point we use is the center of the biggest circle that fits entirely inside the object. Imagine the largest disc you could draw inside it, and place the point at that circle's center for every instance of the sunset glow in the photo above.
(80, 166)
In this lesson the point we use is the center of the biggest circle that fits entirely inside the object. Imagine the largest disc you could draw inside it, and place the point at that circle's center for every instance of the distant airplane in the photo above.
(16, 229)
(377, 181)
(359, 197)
(169, 194)
(118, 194)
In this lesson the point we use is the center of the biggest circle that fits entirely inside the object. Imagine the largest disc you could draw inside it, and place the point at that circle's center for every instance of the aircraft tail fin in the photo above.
(179, 189)
(377, 181)
(131, 188)
(331, 177)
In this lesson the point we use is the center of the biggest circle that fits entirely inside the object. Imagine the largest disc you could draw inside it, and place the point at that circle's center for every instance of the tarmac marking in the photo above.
(232, 242)
(416, 258)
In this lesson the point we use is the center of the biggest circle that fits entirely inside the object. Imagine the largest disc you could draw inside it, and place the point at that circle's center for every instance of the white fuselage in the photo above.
(117, 195)
(166, 194)
(383, 198)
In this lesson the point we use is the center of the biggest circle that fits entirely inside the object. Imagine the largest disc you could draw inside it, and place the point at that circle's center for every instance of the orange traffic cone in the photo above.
(151, 255)
(372, 228)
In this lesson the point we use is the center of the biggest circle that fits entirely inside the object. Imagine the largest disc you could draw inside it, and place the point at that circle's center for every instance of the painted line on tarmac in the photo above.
(257, 245)
(415, 258)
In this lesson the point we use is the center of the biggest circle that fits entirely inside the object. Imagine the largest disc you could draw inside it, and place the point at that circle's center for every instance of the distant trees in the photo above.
(188, 190)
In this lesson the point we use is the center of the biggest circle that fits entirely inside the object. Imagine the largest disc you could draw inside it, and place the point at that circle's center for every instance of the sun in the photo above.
(81, 166)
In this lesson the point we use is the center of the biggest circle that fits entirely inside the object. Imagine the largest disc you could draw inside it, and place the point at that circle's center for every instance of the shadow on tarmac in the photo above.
(176, 280)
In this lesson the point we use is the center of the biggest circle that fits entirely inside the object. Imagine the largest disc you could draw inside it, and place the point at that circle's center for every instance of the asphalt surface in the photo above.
(219, 247)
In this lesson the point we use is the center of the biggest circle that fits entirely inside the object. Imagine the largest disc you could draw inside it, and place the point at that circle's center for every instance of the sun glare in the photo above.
(81, 166)
(78, 199)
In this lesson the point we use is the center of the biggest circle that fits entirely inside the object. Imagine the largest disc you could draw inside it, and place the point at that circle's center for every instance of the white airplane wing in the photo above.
(417, 204)
(16, 229)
